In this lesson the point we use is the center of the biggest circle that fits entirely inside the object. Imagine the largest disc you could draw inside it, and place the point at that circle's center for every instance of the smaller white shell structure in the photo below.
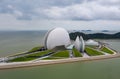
(56, 37)
(82, 46)
(79, 44)
(91, 42)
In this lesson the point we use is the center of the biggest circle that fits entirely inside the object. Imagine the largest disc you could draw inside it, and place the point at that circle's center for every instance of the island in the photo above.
(60, 48)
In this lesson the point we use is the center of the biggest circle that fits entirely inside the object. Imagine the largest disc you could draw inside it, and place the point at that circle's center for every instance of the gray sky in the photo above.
(70, 14)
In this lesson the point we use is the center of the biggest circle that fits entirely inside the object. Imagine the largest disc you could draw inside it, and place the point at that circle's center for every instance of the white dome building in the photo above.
(56, 37)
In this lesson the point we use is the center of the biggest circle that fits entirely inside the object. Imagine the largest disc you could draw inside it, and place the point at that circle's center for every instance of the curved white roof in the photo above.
(57, 37)
(82, 47)
(91, 42)
(79, 44)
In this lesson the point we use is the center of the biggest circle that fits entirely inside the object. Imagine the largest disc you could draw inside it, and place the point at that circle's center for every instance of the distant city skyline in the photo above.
(69, 14)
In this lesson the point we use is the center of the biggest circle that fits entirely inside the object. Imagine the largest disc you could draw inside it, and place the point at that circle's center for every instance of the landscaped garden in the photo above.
(31, 56)
(92, 52)
(64, 53)
(76, 53)
(107, 50)
(36, 52)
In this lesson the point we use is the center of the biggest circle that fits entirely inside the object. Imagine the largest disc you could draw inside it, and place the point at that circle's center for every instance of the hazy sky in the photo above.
(70, 14)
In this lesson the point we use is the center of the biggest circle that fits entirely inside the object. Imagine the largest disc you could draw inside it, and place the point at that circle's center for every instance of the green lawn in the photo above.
(64, 53)
(40, 53)
(92, 46)
(20, 59)
(107, 50)
(31, 56)
(35, 49)
(92, 52)
(76, 53)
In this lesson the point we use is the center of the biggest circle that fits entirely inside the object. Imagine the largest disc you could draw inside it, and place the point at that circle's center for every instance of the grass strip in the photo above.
(107, 50)
(92, 52)
(64, 53)
(30, 56)
(35, 49)
(76, 53)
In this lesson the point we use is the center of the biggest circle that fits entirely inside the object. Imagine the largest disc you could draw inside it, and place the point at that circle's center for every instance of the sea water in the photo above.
(12, 42)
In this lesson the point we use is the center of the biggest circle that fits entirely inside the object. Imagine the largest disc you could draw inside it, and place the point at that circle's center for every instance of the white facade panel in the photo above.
(82, 46)
(77, 43)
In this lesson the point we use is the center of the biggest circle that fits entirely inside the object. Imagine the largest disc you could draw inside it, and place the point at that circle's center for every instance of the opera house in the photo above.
(60, 37)
(59, 46)
(56, 37)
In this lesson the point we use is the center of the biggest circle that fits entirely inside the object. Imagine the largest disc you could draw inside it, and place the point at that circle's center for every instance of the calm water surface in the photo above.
(16, 42)
(12, 42)
(100, 69)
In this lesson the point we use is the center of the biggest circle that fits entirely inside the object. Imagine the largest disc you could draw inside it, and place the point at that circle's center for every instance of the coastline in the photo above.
(57, 61)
